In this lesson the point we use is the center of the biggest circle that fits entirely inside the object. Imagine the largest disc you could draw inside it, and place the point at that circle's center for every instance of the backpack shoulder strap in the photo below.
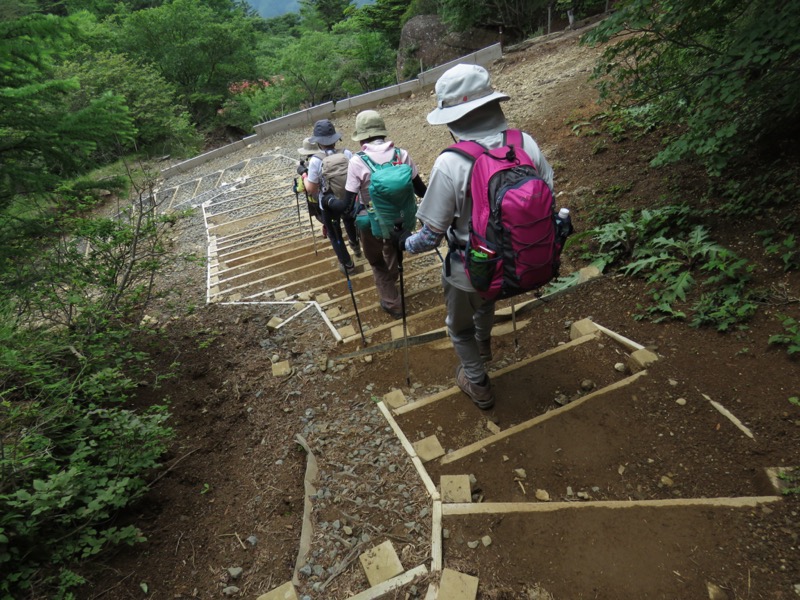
(370, 163)
(512, 137)
(468, 149)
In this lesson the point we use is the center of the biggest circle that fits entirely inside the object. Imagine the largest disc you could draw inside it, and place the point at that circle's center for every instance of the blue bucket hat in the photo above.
(325, 133)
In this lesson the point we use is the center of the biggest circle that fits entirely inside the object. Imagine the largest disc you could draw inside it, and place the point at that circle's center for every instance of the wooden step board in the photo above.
(522, 391)
(551, 544)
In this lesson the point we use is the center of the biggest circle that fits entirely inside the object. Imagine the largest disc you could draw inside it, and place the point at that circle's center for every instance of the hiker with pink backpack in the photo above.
(491, 196)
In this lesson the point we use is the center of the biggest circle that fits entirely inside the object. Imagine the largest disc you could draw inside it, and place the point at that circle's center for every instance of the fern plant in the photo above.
(787, 248)
(674, 263)
(725, 307)
(619, 240)
(669, 262)
(790, 337)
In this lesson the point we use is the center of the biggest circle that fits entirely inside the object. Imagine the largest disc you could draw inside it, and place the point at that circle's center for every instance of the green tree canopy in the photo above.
(42, 139)
(368, 61)
(329, 11)
(725, 73)
(285, 25)
(198, 49)
(383, 16)
(161, 122)
(314, 63)
(523, 17)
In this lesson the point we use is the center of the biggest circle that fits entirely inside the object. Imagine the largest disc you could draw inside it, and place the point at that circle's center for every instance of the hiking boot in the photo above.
(356, 250)
(485, 348)
(395, 314)
(349, 268)
(481, 395)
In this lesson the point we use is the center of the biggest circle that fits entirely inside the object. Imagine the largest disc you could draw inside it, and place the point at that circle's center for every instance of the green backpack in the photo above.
(392, 196)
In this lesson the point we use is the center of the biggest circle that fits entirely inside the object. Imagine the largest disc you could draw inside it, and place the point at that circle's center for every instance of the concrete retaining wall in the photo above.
(483, 56)
(322, 111)
(303, 117)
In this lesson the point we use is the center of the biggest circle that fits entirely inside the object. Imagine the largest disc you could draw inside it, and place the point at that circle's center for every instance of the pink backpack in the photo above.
(513, 247)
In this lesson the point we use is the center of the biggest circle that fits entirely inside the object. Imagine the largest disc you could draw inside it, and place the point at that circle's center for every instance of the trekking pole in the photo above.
(398, 226)
(514, 325)
(355, 308)
(313, 234)
(311, 226)
(297, 199)
(340, 242)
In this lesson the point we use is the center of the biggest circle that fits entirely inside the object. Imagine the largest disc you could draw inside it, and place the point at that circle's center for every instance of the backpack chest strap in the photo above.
(373, 166)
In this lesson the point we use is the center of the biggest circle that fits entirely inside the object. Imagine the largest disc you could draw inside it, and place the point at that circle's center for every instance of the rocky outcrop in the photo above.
(426, 41)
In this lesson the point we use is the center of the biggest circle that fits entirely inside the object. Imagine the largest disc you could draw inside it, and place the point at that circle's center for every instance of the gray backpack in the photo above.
(334, 178)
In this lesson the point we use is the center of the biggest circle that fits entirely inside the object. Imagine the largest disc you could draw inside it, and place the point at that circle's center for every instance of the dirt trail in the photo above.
(234, 497)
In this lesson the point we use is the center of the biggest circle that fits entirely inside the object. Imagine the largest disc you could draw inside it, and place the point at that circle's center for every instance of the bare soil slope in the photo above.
(225, 518)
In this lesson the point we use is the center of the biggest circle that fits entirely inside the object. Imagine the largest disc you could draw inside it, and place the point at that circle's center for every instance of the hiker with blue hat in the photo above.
(327, 174)
(469, 106)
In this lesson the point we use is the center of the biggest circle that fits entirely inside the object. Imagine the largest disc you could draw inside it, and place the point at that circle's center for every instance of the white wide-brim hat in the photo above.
(460, 90)
(308, 148)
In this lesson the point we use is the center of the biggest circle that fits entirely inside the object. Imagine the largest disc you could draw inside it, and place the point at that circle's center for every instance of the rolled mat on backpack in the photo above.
(335, 206)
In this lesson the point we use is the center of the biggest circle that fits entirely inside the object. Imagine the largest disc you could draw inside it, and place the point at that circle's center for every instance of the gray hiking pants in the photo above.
(469, 319)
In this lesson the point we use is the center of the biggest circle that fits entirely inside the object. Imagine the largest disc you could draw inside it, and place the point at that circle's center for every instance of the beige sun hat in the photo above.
(308, 148)
(460, 90)
(369, 124)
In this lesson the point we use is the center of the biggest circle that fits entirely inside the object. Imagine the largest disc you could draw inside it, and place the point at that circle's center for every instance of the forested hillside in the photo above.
(95, 92)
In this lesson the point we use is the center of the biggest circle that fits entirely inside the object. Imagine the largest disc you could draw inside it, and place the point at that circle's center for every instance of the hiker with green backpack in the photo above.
(386, 182)
(327, 173)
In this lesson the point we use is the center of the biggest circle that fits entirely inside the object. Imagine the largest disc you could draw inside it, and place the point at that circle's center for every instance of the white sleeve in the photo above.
(539, 161)
(314, 169)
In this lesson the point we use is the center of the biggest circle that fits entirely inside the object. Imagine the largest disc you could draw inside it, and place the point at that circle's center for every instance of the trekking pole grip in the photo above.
(398, 228)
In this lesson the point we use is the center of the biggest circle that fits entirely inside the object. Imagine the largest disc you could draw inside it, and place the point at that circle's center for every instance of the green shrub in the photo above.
(254, 102)
(677, 259)
(73, 452)
(720, 73)
(790, 336)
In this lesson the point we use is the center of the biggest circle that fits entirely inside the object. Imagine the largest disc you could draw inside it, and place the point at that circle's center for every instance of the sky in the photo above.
(275, 8)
